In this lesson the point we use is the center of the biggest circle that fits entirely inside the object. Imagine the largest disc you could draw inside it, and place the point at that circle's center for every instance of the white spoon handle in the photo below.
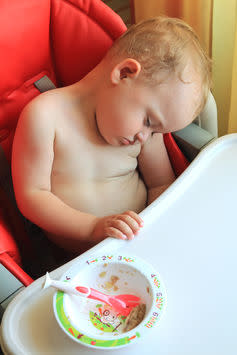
(64, 286)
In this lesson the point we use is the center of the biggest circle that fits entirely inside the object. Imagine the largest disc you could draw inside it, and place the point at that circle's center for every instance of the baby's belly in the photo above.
(104, 197)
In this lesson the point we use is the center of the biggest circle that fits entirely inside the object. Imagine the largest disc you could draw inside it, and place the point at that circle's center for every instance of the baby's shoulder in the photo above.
(44, 107)
(39, 113)
(48, 100)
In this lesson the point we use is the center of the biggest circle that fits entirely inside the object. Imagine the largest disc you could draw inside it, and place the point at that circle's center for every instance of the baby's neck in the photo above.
(92, 82)
(85, 93)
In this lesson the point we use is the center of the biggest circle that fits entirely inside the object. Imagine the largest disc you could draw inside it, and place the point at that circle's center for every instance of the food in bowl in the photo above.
(135, 317)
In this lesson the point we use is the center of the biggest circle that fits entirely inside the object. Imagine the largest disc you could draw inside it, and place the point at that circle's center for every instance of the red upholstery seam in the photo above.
(24, 84)
(89, 15)
(52, 46)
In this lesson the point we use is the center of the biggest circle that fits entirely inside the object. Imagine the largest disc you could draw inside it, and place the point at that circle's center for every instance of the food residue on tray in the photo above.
(135, 317)
(108, 285)
(102, 274)
(114, 279)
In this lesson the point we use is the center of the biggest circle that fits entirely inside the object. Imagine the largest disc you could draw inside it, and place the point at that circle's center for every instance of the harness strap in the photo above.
(44, 84)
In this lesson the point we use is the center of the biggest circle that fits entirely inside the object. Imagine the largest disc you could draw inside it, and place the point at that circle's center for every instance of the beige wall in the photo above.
(224, 62)
(215, 23)
(233, 102)
(198, 13)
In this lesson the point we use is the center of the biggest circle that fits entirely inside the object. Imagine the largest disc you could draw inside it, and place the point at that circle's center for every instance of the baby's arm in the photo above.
(155, 167)
(32, 159)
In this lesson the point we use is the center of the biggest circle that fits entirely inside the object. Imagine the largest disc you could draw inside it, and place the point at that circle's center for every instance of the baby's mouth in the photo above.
(126, 141)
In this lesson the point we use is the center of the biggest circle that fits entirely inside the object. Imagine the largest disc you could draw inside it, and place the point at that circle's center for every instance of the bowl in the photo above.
(95, 324)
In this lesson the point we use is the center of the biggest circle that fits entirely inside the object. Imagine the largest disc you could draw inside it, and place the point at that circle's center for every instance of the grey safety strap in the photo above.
(44, 84)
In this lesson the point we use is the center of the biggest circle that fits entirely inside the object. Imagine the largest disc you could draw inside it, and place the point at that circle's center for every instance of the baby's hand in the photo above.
(121, 226)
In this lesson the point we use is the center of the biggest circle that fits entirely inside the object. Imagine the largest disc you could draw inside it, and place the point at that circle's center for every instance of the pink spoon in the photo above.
(122, 304)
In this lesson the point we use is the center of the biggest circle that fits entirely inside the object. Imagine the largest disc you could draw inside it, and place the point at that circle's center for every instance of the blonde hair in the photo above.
(164, 44)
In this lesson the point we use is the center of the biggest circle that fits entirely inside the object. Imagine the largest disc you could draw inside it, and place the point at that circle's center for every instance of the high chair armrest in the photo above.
(15, 269)
(12, 280)
(10, 287)
(192, 139)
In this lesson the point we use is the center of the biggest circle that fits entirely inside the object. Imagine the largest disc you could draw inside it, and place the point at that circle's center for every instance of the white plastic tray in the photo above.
(190, 238)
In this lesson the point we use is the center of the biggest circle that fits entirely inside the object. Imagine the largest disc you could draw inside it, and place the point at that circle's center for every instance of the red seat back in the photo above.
(61, 39)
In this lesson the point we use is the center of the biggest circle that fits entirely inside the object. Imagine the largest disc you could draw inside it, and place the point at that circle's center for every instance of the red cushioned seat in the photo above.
(63, 39)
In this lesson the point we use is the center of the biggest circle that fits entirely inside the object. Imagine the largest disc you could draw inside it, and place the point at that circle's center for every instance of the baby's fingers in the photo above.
(136, 217)
(123, 226)
(126, 226)
(115, 233)
(132, 220)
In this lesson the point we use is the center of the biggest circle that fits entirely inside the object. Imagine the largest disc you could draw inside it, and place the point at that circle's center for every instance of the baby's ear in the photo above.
(128, 68)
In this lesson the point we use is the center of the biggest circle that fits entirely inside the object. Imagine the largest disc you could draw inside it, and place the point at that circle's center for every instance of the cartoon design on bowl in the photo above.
(107, 320)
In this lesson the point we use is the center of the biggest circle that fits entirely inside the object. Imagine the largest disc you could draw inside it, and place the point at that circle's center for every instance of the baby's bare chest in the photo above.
(92, 176)
(80, 156)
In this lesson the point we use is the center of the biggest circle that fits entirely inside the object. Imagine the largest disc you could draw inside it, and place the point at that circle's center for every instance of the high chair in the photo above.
(46, 43)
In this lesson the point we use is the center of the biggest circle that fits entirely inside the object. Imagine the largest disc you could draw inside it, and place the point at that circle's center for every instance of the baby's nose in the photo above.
(141, 137)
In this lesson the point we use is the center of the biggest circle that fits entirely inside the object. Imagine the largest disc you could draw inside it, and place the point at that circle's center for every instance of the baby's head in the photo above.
(164, 45)
(158, 81)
